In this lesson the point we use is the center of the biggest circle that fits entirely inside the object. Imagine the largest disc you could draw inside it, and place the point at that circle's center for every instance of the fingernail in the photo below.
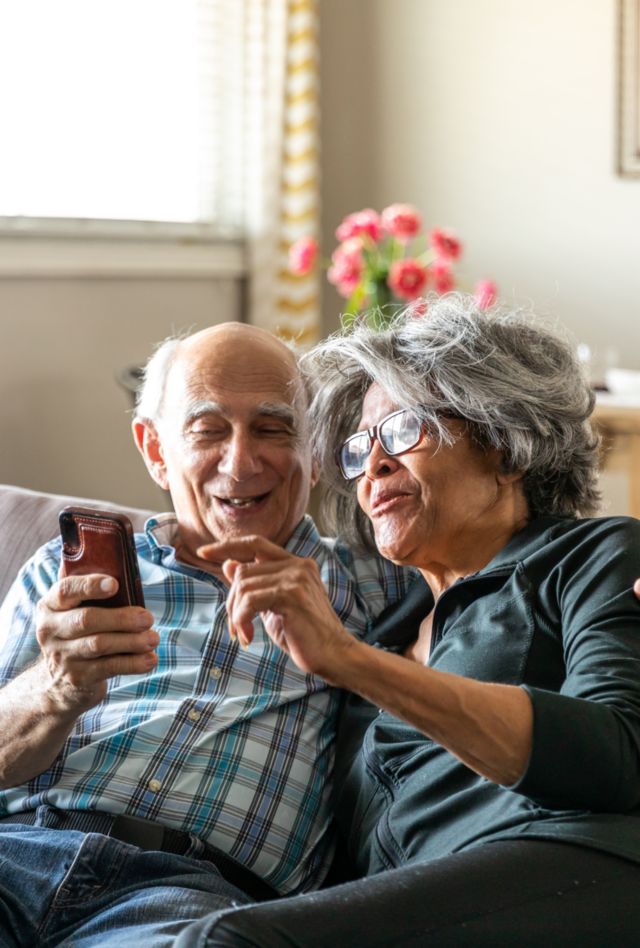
(143, 620)
(108, 584)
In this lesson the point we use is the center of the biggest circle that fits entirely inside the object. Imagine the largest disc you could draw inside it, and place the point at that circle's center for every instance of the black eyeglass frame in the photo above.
(373, 435)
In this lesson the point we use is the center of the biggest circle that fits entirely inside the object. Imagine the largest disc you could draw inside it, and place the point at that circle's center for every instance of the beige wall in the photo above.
(64, 425)
(496, 118)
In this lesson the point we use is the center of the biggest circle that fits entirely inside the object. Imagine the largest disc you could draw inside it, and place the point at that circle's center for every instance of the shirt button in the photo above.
(194, 715)
(216, 672)
(154, 785)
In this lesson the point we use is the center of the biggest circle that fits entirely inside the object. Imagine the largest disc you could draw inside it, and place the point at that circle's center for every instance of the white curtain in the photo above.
(281, 141)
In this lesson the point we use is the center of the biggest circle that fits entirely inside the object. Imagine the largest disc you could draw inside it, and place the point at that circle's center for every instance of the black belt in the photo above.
(148, 835)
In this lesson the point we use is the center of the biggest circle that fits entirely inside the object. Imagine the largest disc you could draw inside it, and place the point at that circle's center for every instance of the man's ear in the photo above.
(149, 445)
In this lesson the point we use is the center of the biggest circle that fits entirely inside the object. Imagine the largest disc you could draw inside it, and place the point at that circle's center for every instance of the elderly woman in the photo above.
(496, 752)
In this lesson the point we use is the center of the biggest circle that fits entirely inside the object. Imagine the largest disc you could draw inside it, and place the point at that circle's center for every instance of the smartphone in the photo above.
(100, 541)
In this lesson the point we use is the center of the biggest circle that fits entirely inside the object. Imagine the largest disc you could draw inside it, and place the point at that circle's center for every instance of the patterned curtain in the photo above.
(282, 186)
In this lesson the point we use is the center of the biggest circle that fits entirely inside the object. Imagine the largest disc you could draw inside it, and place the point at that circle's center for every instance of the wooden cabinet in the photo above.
(618, 420)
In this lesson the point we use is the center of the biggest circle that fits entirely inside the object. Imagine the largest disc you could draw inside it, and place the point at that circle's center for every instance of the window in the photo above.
(121, 117)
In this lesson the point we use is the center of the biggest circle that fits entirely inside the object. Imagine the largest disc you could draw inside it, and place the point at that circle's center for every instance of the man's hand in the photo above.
(289, 595)
(83, 646)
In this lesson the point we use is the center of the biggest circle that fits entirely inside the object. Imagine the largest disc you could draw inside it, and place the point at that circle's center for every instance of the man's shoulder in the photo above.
(371, 570)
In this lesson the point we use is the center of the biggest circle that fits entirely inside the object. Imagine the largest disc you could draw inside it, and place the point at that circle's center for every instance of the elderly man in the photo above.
(152, 770)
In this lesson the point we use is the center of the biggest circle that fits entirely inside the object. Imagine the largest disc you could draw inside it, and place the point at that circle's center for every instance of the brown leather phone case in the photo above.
(99, 541)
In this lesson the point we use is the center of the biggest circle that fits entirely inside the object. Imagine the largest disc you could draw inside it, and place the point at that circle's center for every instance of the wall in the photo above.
(64, 422)
(496, 118)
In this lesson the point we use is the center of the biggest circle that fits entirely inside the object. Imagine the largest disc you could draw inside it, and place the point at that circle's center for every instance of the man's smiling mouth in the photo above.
(243, 501)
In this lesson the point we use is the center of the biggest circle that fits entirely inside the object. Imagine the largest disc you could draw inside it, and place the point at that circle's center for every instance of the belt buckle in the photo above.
(145, 834)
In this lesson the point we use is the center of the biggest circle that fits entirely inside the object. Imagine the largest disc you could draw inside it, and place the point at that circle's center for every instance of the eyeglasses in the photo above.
(396, 433)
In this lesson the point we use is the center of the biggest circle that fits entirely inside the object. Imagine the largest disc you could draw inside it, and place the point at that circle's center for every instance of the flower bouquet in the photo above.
(383, 261)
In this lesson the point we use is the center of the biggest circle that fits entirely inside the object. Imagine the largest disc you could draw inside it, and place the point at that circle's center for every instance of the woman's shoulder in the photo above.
(595, 556)
(596, 529)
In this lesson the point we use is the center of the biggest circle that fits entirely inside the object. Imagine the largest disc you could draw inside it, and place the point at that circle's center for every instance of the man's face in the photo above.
(231, 438)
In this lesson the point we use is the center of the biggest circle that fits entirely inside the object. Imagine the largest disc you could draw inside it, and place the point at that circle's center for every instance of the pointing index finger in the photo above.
(243, 549)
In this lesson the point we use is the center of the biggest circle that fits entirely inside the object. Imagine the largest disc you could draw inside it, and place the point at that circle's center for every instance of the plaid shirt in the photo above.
(233, 745)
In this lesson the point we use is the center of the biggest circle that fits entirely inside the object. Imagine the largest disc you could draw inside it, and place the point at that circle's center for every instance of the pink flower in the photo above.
(443, 279)
(346, 266)
(445, 244)
(303, 254)
(402, 221)
(486, 293)
(407, 279)
(365, 222)
(350, 248)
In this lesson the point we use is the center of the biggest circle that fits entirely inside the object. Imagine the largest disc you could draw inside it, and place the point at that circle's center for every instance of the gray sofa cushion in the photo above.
(29, 518)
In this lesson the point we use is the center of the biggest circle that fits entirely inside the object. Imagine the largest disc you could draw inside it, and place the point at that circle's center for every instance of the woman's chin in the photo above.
(392, 550)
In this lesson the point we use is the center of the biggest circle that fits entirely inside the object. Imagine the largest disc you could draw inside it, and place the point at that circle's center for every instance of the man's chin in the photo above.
(242, 522)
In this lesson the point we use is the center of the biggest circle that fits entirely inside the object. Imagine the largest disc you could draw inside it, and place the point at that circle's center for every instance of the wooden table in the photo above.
(618, 419)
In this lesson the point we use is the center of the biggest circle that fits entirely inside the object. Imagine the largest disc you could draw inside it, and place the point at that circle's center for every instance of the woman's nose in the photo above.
(379, 463)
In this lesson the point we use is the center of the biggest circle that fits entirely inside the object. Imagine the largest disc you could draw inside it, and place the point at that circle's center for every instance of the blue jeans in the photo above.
(67, 888)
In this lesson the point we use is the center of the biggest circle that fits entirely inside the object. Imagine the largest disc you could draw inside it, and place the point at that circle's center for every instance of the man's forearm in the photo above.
(32, 726)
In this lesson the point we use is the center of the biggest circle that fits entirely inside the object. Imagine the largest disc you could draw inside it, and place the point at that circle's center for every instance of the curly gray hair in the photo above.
(519, 386)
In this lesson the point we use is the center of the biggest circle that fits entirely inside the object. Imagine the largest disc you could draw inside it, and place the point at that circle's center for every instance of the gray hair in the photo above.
(150, 395)
(518, 385)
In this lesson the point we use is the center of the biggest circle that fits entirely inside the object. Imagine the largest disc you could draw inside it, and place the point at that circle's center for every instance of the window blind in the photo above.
(122, 111)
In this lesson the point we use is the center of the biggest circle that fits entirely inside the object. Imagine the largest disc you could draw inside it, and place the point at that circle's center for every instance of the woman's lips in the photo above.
(387, 501)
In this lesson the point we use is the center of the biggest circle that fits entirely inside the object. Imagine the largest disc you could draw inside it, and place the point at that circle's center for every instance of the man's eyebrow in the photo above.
(204, 407)
(279, 410)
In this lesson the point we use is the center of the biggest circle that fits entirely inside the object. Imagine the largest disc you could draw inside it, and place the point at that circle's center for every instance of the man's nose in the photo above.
(379, 463)
(239, 459)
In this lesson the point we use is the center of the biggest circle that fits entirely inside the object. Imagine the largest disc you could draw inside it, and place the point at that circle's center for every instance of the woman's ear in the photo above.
(149, 445)
(504, 477)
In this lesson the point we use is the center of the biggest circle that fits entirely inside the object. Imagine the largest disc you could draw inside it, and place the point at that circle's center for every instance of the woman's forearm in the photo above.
(489, 727)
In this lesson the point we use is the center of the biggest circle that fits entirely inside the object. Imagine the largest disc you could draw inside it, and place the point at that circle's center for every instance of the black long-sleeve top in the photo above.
(553, 612)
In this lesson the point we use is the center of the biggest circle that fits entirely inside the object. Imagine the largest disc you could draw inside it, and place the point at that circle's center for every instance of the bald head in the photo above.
(232, 352)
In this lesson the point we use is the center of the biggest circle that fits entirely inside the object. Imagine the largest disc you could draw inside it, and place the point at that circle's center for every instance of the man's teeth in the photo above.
(240, 501)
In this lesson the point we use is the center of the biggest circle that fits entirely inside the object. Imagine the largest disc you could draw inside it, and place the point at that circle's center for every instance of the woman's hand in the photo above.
(489, 727)
(288, 594)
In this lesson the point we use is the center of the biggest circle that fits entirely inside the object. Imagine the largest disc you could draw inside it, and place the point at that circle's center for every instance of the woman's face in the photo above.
(432, 505)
